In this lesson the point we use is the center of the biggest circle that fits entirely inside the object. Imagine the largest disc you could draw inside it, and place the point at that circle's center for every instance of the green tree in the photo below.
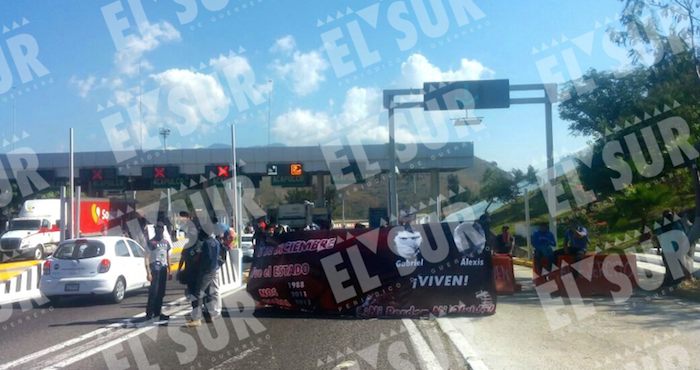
(498, 186)
(642, 201)
(464, 195)
(668, 29)
(518, 175)
(298, 195)
(531, 175)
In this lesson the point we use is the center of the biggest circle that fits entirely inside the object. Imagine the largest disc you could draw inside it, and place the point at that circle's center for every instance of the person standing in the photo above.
(157, 260)
(207, 271)
(543, 241)
(505, 241)
(260, 234)
(187, 225)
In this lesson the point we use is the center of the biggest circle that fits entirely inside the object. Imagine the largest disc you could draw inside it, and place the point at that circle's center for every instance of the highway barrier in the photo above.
(593, 275)
(503, 274)
(231, 274)
(21, 286)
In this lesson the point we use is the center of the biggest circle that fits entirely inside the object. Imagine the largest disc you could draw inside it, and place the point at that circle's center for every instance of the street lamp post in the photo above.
(165, 132)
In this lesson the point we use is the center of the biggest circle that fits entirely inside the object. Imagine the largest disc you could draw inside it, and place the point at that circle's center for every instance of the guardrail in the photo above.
(230, 273)
(25, 285)
(22, 286)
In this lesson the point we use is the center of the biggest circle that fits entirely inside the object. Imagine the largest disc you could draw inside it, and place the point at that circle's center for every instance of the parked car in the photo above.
(105, 265)
(247, 245)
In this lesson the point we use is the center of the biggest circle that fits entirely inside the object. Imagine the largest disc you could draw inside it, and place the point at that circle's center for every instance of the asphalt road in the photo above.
(643, 332)
(89, 333)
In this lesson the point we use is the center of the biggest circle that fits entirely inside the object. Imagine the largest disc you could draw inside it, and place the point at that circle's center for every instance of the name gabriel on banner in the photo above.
(401, 271)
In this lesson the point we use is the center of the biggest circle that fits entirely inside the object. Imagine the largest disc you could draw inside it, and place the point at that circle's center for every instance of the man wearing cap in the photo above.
(576, 241)
(157, 268)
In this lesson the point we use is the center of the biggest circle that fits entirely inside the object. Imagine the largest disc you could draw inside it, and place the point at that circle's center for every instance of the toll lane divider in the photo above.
(230, 273)
(22, 286)
(12, 269)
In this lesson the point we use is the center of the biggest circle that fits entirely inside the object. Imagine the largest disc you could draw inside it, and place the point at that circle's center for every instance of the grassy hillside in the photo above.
(617, 220)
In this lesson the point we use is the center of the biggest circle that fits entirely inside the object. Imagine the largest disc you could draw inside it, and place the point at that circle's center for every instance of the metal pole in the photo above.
(237, 221)
(77, 212)
(269, 111)
(343, 198)
(393, 197)
(550, 160)
(62, 225)
(527, 223)
(239, 210)
(71, 170)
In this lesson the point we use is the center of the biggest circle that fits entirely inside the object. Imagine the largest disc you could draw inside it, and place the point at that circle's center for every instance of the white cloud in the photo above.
(284, 44)
(306, 71)
(124, 97)
(359, 121)
(417, 69)
(130, 58)
(303, 126)
(238, 68)
(195, 100)
(84, 86)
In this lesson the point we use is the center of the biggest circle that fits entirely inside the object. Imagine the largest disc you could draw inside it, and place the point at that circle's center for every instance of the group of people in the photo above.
(575, 245)
(544, 243)
(203, 255)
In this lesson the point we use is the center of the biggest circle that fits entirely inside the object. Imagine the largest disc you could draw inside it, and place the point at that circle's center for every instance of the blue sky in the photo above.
(328, 62)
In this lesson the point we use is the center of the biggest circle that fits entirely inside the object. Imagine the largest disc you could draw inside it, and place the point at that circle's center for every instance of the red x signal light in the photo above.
(97, 174)
(223, 171)
(159, 172)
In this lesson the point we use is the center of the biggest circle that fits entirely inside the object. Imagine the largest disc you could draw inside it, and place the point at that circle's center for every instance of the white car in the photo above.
(104, 265)
(247, 245)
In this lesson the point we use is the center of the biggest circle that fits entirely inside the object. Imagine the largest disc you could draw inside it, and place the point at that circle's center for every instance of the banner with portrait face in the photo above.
(439, 269)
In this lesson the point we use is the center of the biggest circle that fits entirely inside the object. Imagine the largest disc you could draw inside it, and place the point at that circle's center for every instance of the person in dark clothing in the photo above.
(543, 241)
(208, 267)
(669, 223)
(504, 242)
(157, 268)
(485, 223)
(576, 241)
(259, 235)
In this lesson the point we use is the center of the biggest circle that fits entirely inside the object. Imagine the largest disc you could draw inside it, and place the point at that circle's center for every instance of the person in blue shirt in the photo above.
(543, 241)
(576, 241)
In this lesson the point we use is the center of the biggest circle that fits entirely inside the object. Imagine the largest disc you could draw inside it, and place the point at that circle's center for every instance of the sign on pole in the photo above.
(461, 95)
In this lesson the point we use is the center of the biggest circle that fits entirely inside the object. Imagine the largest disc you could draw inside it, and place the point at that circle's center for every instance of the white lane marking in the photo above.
(238, 357)
(91, 334)
(86, 354)
(87, 350)
(462, 344)
(79, 339)
(424, 353)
